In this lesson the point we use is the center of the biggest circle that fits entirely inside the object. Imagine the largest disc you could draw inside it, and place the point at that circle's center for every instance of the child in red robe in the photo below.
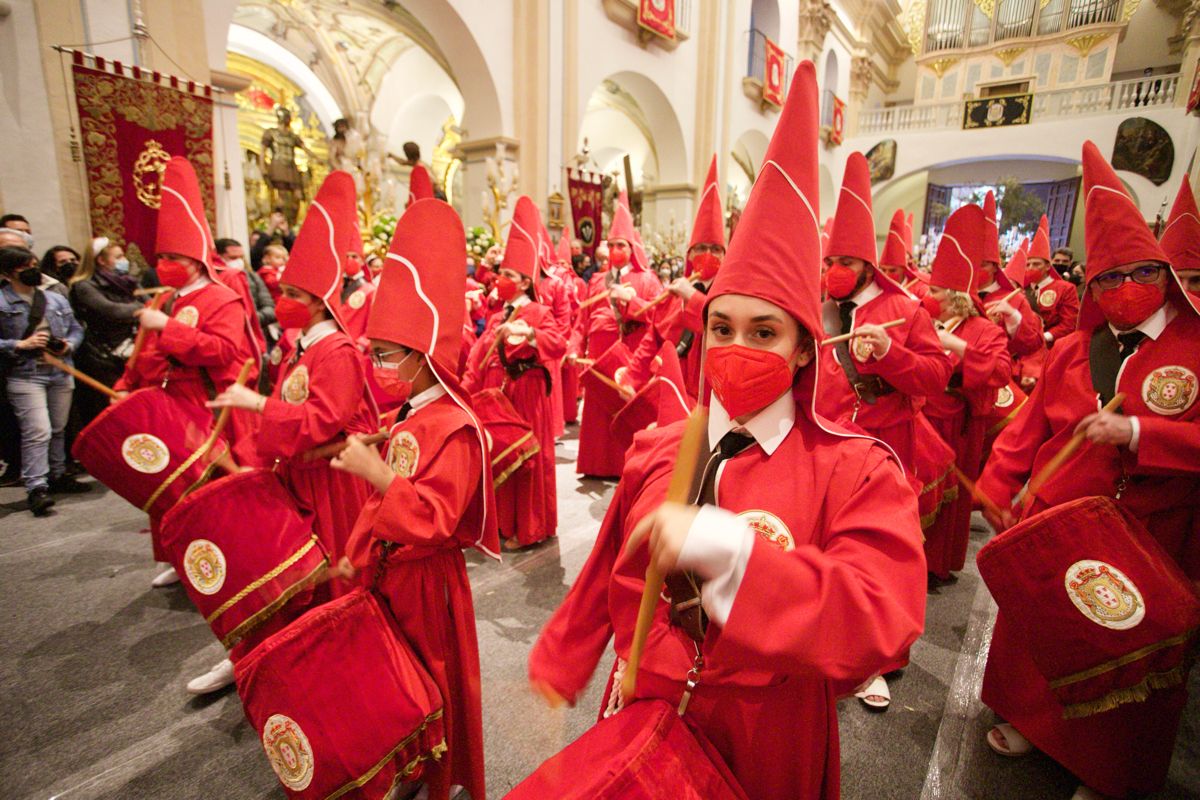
(433, 484)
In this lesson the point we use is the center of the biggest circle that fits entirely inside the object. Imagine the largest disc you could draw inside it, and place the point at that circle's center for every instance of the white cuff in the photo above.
(717, 547)
(1048, 336)
(1012, 322)
(1137, 432)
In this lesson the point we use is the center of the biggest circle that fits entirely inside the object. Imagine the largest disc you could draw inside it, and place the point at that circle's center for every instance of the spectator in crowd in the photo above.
(279, 231)
(274, 261)
(234, 256)
(33, 321)
(13, 237)
(103, 300)
(1061, 260)
(17, 223)
(60, 262)
(375, 266)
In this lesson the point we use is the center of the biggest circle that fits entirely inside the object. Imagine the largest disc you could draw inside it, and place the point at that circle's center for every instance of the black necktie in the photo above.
(405, 410)
(508, 311)
(1128, 342)
(684, 587)
(299, 352)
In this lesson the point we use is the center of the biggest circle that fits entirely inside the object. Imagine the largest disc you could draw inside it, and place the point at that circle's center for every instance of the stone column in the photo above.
(531, 95)
(862, 72)
(816, 17)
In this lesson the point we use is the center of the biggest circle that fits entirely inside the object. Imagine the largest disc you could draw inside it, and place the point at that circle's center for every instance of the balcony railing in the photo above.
(1156, 91)
(954, 24)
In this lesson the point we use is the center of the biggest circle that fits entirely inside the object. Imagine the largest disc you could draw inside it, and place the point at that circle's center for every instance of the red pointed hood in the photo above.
(673, 401)
(709, 225)
(826, 231)
(854, 225)
(1014, 270)
(622, 227)
(1115, 233)
(315, 264)
(521, 251)
(1181, 238)
(562, 252)
(960, 251)
(908, 234)
(1041, 241)
(895, 253)
(991, 231)
(182, 225)
(777, 257)
(420, 184)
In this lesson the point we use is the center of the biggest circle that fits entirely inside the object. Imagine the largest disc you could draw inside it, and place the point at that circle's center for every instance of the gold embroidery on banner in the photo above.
(147, 173)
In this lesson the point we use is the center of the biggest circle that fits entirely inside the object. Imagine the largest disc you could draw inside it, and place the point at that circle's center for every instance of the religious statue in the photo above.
(346, 148)
(279, 153)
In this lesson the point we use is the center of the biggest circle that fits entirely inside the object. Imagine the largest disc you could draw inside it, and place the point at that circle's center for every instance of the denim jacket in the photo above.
(14, 318)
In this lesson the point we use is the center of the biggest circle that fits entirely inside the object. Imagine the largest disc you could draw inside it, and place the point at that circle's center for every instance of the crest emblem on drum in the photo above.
(769, 527)
(356, 299)
(1169, 390)
(204, 564)
(146, 453)
(1004, 398)
(295, 388)
(1104, 594)
(405, 454)
(1047, 298)
(861, 348)
(288, 751)
(188, 315)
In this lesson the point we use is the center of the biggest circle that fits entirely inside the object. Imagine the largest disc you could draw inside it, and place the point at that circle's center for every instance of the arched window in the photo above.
(829, 87)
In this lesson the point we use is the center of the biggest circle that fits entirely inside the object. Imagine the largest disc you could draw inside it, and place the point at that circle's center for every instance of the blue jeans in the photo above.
(42, 403)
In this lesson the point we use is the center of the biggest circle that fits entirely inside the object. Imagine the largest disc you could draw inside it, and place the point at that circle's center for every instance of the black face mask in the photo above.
(67, 269)
(30, 276)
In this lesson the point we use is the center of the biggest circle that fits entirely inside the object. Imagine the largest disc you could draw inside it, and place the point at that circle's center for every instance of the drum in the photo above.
(150, 448)
(511, 440)
(244, 552)
(646, 751)
(638, 414)
(1105, 612)
(1009, 400)
(613, 365)
(340, 702)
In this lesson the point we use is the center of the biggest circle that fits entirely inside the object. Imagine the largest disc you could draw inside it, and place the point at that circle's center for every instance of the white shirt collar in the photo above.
(422, 399)
(1153, 325)
(200, 282)
(769, 427)
(520, 300)
(1044, 282)
(991, 287)
(317, 332)
(866, 294)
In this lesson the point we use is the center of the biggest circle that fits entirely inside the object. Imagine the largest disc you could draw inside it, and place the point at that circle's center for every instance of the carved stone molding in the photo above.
(862, 71)
(816, 18)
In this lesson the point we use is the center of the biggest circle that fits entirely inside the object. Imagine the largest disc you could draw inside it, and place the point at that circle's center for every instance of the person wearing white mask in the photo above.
(234, 256)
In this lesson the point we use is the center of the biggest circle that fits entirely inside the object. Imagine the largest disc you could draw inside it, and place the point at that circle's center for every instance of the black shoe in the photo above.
(40, 502)
(11, 477)
(66, 484)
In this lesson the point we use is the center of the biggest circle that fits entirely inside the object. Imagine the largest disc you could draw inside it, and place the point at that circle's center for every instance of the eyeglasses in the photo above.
(1111, 280)
(378, 357)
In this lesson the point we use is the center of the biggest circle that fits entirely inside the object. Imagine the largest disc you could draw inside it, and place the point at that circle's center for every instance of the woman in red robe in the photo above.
(433, 484)
(979, 351)
(520, 365)
(807, 530)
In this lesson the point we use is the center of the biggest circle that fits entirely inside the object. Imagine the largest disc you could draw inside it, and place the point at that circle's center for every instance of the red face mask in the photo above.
(744, 379)
(931, 305)
(1130, 303)
(1034, 275)
(840, 281)
(172, 273)
(705, 266)
(895, 273)
(389, 381)
(291, 313)
(618, 258)
(352, 268)
(506, 288)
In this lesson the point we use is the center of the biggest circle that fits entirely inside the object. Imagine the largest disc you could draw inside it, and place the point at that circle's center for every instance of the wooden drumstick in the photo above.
(496, 340)
(335, 448)
(152, 291)
(81, 376)
(983, 499)
(1060, 458)
(855, 333)
(225, 460)
(596, 298)
(651, 304)
(677, 492)
(624, 391)
(1005, 299)
(140, 340)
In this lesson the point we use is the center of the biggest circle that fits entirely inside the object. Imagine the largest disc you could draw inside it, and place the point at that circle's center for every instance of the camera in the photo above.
(56, 345)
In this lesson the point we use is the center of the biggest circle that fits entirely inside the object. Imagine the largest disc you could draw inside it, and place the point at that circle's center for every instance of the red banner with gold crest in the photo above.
(658, 17)
(132, 121)
(775, 74)
(587, 198)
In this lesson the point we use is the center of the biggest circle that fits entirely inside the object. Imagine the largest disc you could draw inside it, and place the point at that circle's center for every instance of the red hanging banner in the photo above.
(837, 125)
(658, 17)
(130, 128)
(774, 74)
(587, 196)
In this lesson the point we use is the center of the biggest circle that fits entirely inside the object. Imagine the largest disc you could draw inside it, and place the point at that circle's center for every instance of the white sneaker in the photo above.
(165, 578)
(1085, 793)
(214, 680)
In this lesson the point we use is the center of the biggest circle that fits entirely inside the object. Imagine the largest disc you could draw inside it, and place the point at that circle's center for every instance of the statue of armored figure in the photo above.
(279, 154)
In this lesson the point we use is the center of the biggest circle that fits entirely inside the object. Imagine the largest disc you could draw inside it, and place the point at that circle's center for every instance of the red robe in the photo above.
(917, 367)
(356, 301)
(1163, 484)
(960, 416)
(527, 503)
(320, 398)
(1058, 305)
(595, 332)
(840, 585)
(554, 295)
(675, 318)
(576, 289)
(432, 510)
(236, 279)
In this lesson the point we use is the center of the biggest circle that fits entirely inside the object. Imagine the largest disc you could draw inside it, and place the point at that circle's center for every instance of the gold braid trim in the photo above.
(436, 752)
(1132, 694)
(254, 585)
(1002, 424)
(931, 485)
(512, 447)
(182, 468)
(1128, 658)
(949, 497)
(268, 611)
(516, 465)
